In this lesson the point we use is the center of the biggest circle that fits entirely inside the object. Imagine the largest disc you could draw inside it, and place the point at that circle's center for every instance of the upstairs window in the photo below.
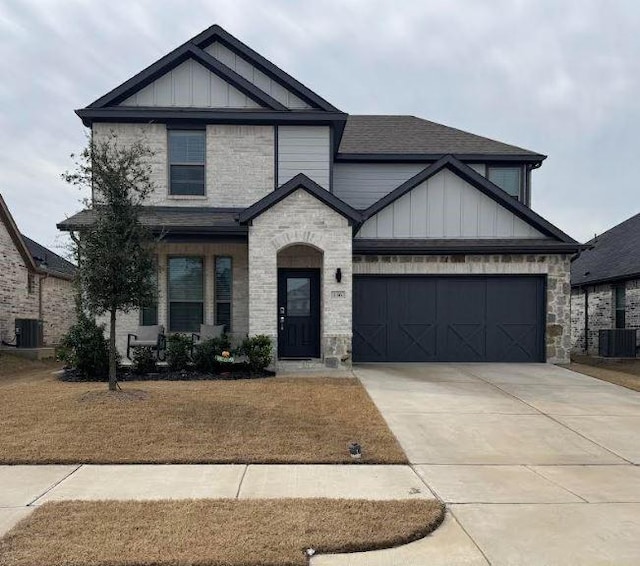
(620, 297)
(186, 162)
(509, 179)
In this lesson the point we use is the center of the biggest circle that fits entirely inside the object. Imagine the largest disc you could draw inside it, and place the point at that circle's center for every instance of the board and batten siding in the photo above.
(304, 149)
(363, 184)
(446, 206)
(190, 85)
(255, 76)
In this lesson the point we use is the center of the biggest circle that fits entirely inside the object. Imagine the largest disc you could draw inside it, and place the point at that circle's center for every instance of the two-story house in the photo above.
(342, 237)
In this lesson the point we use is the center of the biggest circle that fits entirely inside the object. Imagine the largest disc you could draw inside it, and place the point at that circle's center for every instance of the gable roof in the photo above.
(412, 138)
(16, 237)
(36, 257)
(186, 51)
(302, 182)
(194, 49)
(48, 261)
(479, 182)
(613, 255)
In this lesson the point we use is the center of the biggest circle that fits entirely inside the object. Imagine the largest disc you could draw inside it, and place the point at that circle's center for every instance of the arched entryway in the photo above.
(299, 301)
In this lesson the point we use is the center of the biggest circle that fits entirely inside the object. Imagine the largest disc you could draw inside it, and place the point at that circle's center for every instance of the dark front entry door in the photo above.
(298, 313)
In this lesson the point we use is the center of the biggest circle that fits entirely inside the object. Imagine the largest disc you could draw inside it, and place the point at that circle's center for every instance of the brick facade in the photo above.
(58, 308)
(555, 267)
(240, 162)
(50, 299)
(15, 299)
(601, 313)
(300, 219)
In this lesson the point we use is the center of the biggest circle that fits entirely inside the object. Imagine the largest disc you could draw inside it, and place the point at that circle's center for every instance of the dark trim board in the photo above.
(432, 157)
(217, 33)
(478, 181)
(300, 181)
(449, 318)
(426, 246)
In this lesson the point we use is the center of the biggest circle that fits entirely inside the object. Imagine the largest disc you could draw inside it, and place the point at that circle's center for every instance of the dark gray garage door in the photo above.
(448, 319)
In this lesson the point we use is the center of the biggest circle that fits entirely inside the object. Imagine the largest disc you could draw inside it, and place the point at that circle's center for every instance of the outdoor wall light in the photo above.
(338, 275)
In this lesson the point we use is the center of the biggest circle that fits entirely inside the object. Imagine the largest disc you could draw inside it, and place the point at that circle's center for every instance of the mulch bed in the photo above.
(241, 371)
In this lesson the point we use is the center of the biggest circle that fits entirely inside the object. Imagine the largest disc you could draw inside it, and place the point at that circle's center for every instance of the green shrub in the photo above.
(85, 348)
(205, 352)
(259, 351)
(144, 360)
(178, 352)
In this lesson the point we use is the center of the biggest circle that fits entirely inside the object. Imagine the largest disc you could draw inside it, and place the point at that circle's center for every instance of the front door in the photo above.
(298, 313)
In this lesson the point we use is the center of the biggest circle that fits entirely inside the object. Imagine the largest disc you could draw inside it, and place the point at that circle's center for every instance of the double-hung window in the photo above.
(620, 297)
(149, 313)
(186, 293)
(223, 287)
(509, 179)
(186, 162)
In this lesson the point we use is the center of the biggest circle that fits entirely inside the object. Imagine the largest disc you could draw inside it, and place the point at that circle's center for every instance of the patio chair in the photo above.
(149, 337)
(207, 331)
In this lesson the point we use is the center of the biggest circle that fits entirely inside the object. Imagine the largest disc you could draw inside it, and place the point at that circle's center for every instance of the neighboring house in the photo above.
(605, 286)
(364, 238)
(35, 283)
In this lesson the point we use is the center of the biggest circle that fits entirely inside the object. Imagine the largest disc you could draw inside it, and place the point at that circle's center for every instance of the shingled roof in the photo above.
(170, 219)
(613, 255)
(48, 261)
(408, 135)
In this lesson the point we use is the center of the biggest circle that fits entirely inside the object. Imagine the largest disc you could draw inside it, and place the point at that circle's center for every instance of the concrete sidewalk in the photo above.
(538, 466)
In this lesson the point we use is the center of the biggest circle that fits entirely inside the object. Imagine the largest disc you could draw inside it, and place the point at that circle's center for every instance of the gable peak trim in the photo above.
(479, 182)
(301, 182)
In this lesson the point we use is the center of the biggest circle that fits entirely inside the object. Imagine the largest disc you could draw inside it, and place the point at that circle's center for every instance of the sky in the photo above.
(560, 77)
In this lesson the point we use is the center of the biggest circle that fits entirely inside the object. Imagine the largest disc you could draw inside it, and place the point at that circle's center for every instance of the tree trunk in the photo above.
(113, 381)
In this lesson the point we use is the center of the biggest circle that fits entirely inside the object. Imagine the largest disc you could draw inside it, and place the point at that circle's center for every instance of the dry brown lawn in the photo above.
(272, 420)
(211, 532)
(619, 373)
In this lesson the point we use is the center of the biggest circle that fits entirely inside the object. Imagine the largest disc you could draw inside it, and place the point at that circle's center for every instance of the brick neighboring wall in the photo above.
(58, 308)
(555, 267)
(128, 322)
(15, 299)
(302, 219)
(239, 162)
(601, 314)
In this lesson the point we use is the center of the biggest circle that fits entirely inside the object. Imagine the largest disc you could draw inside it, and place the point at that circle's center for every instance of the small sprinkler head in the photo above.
(355, 450)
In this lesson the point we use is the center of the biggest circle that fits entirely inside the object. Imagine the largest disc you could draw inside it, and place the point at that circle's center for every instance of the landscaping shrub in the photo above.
(205, 352)
(85, 349)
(178, 352)
(259, 351)
(144, 360)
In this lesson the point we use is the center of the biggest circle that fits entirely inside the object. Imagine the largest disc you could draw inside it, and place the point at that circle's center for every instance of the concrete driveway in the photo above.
(538, 464)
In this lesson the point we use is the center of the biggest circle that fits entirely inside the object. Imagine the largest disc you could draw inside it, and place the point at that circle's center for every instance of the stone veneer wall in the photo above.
(601, 314)
(302, 219)
(239, 162)
(127, 322)
(15, 299)
(555, 267)
(58, 308)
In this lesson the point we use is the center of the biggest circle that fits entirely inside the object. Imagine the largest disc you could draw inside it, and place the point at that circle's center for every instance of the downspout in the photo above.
(586, 321)
(40, 312)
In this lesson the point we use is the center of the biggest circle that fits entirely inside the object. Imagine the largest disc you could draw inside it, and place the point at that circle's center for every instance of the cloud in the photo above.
(558, 77)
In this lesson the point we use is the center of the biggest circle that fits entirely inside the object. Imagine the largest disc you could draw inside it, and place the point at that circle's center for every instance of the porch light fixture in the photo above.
(338, 275)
